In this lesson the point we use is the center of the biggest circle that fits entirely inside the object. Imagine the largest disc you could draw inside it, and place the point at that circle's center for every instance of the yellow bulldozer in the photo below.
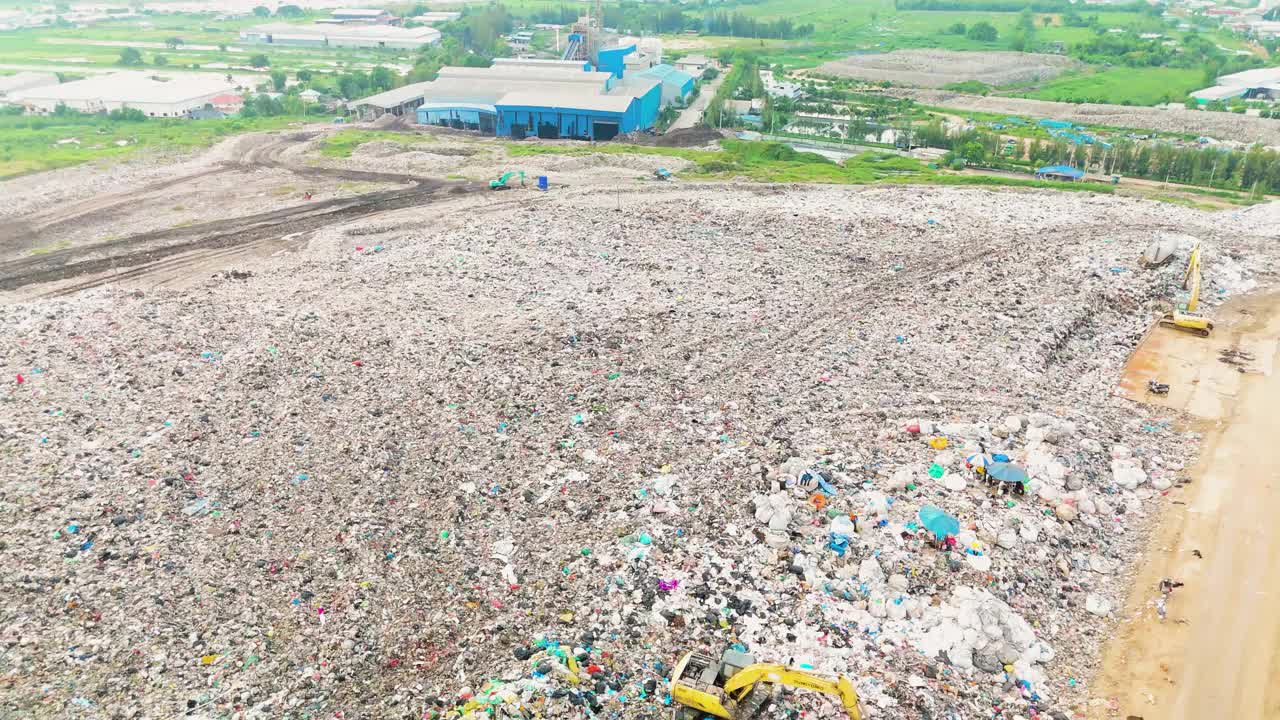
(1189, 321)
(736, 687)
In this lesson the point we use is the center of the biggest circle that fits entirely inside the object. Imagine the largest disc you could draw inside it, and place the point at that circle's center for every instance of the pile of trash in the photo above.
(519, 464)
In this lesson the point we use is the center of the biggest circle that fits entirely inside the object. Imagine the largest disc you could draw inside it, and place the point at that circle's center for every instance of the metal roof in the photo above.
(132, 87)
(578, 65)
(395, 97)
(479, 107)
(527, 73)
(568, 100)
(667, 74)
(1060, 170)
(480, 90)
(1249, 78)
(635, 86)
(1220, 92)
(423, 35)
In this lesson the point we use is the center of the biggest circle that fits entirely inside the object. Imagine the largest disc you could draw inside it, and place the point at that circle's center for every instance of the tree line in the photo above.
(1256, 169)
(1039, 6)
(651, 18)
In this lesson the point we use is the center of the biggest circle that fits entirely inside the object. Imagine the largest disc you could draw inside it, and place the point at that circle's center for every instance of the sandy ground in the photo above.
(1217, 654)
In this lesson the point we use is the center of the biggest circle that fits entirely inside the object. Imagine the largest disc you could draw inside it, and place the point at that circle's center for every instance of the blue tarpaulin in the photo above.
(1004, 472)
(937, 521)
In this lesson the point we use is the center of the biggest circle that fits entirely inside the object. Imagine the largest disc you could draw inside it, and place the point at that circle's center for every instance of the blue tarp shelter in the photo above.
(1059, 172)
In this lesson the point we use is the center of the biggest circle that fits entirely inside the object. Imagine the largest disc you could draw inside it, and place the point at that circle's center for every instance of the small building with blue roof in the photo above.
(1059, 172)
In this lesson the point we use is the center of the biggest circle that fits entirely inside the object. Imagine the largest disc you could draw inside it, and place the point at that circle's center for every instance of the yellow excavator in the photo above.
(736, 687)
(1188, 321)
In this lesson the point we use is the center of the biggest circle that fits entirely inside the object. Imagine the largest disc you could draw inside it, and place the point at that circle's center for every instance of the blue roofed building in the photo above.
(1059, 172)
(539, 100)
(676, 85)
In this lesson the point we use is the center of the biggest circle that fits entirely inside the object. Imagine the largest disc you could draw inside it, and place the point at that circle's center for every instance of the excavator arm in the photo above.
(742, 683)
(1192, 278)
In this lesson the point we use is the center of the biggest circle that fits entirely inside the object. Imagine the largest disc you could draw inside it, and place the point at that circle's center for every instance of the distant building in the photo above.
(676, 85)
(1259, 83)
(1059, 172)
(692, 64)
(206, 114)
(229, 103)
(367, 16)
(170, 96)
(773, 87)
(520, 41)
(341, 36)
(521, 99)
(435, 18)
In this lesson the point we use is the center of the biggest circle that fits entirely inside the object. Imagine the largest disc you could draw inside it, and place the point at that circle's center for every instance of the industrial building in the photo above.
(693, 64)
(356, 16)
(1256, 84)
(341, 36)
(1059, 172)
(547, 100)
(600, 87)
(518, 101)
(170, 96)
(436, 17)
(676, 85)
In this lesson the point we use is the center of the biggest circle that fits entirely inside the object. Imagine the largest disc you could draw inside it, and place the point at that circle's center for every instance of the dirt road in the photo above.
(1217, 654)
(191, 247)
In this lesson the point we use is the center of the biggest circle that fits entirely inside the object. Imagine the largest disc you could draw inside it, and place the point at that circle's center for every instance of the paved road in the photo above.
(693, 113)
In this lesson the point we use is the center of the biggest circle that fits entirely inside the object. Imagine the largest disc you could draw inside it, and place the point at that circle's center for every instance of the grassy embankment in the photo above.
(31, 144)
(344, 142)
(775, 162)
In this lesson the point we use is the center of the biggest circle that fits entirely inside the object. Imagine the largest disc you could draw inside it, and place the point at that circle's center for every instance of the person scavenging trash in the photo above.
(1167, 587)
(943, 526)
(1008, 477)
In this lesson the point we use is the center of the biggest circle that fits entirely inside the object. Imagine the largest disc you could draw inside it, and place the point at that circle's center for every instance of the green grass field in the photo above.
(778, 163)
(32, 144)
(344, 142)
(1122, 86)
(99, 46)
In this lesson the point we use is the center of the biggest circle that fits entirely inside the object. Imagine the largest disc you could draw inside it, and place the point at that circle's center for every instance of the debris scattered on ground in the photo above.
(525, 458)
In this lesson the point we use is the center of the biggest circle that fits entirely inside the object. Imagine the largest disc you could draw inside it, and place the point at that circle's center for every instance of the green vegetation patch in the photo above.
(30, 144)
(1123, 86)
(344, 142)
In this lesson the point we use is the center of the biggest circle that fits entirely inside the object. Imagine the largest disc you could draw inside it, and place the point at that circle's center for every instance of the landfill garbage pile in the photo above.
(1222, 125)
(518, 465)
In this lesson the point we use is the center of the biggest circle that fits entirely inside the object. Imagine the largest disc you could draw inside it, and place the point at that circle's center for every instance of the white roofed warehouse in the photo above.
(155, 95)
(341, 36)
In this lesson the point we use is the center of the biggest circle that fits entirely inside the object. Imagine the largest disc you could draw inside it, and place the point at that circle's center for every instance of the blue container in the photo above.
(542, 182)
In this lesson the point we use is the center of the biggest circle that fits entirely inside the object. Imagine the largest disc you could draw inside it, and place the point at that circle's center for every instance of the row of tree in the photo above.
(651, 18)
(1255, 169)
(742, 25)
(1039, 6)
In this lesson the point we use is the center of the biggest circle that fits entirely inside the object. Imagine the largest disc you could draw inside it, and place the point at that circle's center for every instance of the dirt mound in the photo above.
(1244, 128)
(685, 138)
(938, 68)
